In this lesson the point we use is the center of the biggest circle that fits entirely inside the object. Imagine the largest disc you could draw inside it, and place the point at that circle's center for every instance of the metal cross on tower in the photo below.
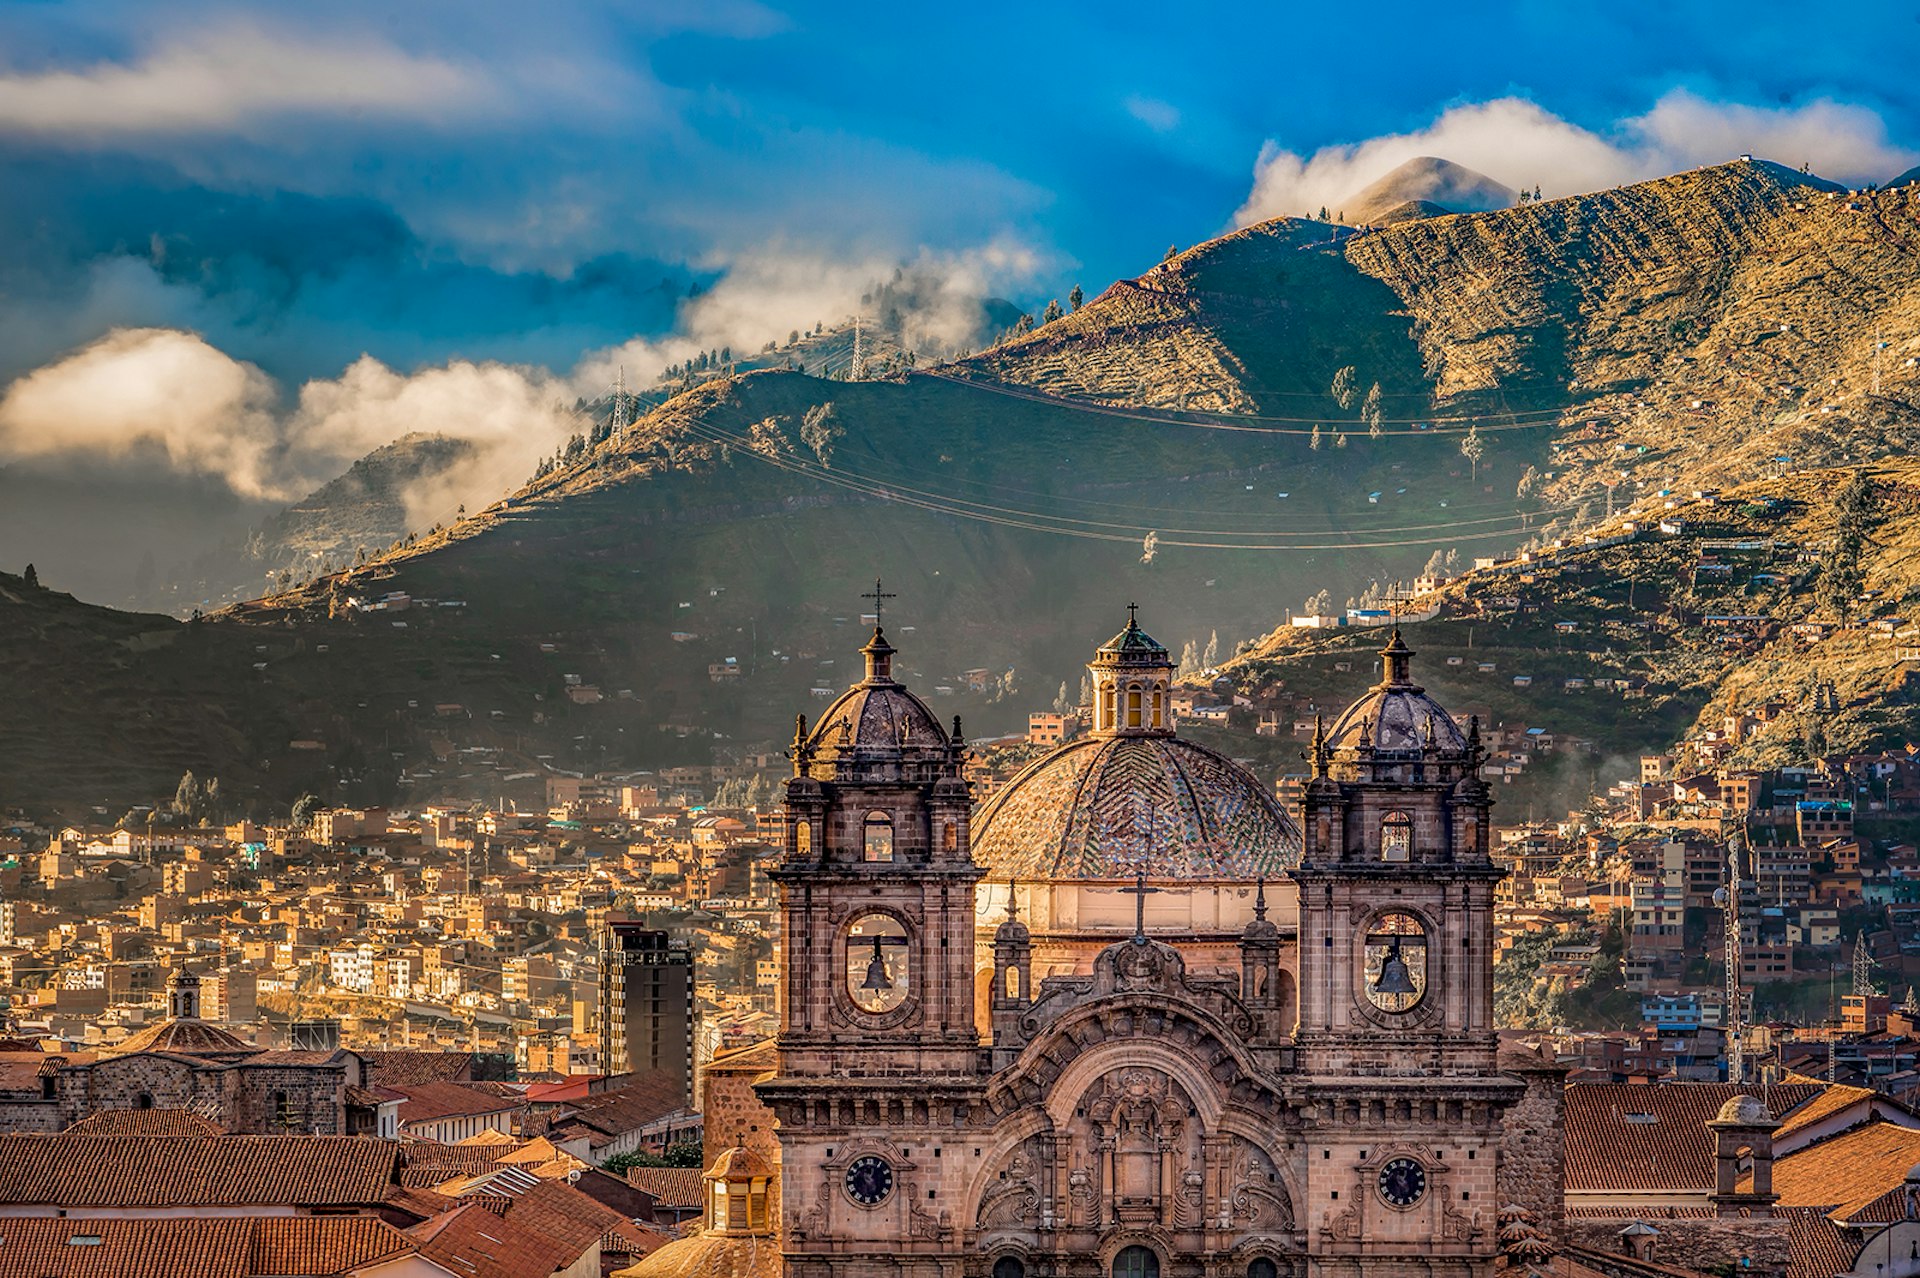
(1140, 892)
(1133, 610)
(879, 598)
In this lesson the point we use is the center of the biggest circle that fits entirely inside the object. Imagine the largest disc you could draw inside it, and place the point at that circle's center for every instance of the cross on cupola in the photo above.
(879, 598)
(878, 652)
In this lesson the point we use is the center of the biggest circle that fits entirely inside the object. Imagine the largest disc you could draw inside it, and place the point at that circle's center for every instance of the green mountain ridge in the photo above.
(1156, 446)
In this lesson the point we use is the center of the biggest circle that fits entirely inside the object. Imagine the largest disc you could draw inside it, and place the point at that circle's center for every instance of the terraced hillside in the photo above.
(684, 590)
(1723, 319)
(1726, 612)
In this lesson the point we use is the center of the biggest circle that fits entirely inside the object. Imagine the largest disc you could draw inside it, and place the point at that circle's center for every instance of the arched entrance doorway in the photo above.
(1136, 1262)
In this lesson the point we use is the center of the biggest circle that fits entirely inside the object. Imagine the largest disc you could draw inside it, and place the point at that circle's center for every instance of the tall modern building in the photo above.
(646, 1002)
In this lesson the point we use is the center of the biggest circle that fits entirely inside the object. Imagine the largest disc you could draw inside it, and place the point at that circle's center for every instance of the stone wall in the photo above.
(1533, 1152)
(732, 1115)
(1753, 1247)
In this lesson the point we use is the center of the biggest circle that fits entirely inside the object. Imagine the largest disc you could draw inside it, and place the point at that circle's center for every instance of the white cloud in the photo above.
(1161, 117)
(171, 393)
(236, 78)
(149, 387)
(1523, 145)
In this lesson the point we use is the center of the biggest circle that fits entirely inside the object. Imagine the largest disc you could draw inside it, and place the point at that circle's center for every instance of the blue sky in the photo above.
(429, 183)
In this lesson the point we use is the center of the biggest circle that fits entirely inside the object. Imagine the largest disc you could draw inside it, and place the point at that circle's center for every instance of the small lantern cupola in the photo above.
(1132, 684)
(183, 996)
(737, 1186)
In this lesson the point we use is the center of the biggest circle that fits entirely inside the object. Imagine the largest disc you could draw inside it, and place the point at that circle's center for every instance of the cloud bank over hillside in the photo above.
(1523, 145)
(171, 400)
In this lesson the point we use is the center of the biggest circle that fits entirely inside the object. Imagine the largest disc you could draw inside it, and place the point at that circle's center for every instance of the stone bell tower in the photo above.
(1396, 1033)
(878, 1047)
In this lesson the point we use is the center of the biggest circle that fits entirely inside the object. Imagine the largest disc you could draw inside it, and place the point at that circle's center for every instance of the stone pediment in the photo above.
(1138, 968)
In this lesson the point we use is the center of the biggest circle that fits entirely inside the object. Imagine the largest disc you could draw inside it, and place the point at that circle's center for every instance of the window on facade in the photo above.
(1107, 715)
(802, 837)
(1159, 709)
(282, 1109)
(879, 843)
(950, 837)
(1261, 1267)
(1013, 982)
(143, 1101)
(1136, 1262)
(1133, 707)
(878, 960)
(1009, 1267)
(1396, 837)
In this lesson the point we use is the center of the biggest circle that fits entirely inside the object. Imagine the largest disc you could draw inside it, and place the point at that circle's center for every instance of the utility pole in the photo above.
(1727, 897)
(853, 370)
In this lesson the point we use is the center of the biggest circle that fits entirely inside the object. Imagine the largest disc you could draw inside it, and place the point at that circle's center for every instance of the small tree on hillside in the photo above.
(1173, 251)
(1342, 388)
(32, 577)
(1314, 442)
(1370, 410)
(1053, 311)
(1076, 298)
(1473, 448)
(820, 430)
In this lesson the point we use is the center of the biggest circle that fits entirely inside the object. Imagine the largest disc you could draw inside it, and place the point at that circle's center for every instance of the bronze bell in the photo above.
(877, 977)
(1394, 978)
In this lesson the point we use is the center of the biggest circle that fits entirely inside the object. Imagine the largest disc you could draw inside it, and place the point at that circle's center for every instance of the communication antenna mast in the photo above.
(853, 371)
(1727, 897)
(1862, 965)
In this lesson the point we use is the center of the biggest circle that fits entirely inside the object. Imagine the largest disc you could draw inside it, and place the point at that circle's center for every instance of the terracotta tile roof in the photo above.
(186, 1036)
(564, 1214)
(445, 1160)
(710, 1255)
(1816, 1246)
(323, 1244)
(195, 1171)
(670, 1186)
(1833, 1098)
(1848, 1172)
(427, 1101)
(420, 1204)
(1627, 1136)
(474, 1242)
(651, 1095)
(280, 1059)
(231, 1247)
(144, 1122)
(754, 1056)
(405, 1068)
(51, 1248)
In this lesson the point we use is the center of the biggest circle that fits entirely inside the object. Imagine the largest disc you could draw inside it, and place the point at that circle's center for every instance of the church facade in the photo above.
(1129, 1018)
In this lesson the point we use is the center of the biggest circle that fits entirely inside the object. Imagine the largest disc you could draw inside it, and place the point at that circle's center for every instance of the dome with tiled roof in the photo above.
(183, 1032)
(1132, 797)
(1396, 715)
(875, 720)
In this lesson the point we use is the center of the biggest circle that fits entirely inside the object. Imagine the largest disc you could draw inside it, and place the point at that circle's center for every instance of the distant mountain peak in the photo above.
(1428, 183)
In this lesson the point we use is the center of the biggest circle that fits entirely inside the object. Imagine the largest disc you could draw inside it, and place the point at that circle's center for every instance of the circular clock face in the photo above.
(1403, 1182)
(869, 1181)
